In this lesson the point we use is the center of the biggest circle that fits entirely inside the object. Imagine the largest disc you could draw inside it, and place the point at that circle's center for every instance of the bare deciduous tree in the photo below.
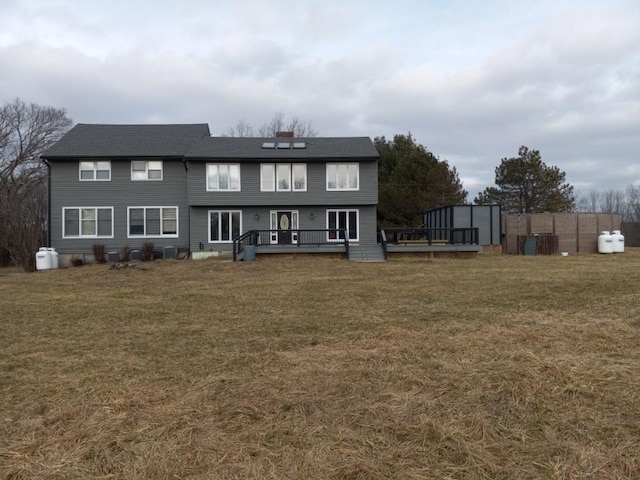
(632, 215)
(612, 201)
(277, 124)
(633, 204)
(589, 202)
(25, 132)
(242, 129)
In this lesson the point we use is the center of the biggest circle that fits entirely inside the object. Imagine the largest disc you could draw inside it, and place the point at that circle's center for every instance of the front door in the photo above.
(284, 226)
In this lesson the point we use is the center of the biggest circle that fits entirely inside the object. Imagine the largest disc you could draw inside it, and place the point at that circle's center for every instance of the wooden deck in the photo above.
(423, 247)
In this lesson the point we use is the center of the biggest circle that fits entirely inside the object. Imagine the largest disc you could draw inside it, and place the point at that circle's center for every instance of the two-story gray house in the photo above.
(174, 185)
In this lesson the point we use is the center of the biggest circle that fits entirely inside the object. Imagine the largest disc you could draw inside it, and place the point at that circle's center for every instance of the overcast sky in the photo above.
(472, 80)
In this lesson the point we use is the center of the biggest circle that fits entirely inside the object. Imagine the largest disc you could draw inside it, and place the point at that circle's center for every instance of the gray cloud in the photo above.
(566, 85)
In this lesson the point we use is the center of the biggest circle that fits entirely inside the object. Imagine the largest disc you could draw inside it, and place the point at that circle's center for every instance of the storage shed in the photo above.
(486, 218)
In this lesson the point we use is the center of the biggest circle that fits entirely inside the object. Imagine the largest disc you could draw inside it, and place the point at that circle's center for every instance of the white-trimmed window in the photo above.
(224, 225)
(87, 222)
(223, 177)
(343, 219)
(152, 221)
(95, 171)
(146, 170)
(343, 176)
(283, 177)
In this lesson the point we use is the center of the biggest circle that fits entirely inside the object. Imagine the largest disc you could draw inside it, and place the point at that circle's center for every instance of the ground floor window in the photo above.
(87, 222)
(153, 221)
(224, 225)
(342, 219)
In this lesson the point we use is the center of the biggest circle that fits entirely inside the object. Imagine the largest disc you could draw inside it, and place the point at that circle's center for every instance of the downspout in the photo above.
(186, 169)
(48, 201)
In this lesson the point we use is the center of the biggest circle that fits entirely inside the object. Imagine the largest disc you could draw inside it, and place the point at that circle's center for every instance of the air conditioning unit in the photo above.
(170, 252)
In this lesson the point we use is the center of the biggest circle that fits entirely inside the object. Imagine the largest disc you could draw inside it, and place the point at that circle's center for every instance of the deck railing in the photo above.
(383, 242)
(291, 238)
(428, 236)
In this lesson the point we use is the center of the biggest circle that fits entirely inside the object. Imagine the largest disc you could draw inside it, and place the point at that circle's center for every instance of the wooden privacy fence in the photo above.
(575, 232)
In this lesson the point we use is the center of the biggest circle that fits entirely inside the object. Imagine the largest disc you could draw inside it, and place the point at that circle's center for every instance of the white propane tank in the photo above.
(54, 258)
(605, 242)
(43, 259)
(618, 241)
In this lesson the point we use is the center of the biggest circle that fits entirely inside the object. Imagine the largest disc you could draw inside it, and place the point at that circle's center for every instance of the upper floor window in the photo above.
(100, 171)
(283, 177)
(87, 222)
(223, 177)
(153, 221)
(343, 176)
(146, 170)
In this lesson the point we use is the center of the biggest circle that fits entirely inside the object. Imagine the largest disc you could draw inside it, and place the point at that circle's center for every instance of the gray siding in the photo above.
(250, 193)
(200, 222)
(188, 192)
(68, 191)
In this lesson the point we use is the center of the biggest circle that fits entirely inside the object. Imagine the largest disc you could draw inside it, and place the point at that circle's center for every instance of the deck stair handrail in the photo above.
(383, 242)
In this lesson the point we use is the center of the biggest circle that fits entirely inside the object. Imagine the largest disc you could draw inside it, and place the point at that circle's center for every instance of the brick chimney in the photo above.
(284, 134)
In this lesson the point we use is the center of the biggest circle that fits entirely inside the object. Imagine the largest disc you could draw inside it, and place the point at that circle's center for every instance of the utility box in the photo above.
(170, 252)
(249, 253)
(531, 246)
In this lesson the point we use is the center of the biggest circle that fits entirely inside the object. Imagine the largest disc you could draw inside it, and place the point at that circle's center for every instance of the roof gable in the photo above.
(100, 140)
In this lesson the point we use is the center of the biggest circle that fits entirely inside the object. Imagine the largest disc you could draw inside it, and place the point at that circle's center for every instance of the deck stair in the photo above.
(366, 253)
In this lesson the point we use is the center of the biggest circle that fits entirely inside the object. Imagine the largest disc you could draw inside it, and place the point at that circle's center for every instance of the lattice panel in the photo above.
(415, 255)
(491, 249)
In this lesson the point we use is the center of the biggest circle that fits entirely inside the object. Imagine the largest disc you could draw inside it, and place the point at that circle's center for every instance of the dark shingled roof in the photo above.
(91, 140)
(239, 148)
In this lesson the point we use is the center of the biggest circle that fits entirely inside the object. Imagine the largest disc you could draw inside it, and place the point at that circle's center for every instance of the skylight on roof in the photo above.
(268, 145)
(299, 145)
(284, 145)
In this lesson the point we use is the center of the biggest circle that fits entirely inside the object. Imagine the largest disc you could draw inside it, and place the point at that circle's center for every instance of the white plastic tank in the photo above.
(618, 241)
(43, 259)
(54, 257)
(605, 242)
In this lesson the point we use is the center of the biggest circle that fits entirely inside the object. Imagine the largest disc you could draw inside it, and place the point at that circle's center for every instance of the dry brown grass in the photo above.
(10, 270)
(493, 367)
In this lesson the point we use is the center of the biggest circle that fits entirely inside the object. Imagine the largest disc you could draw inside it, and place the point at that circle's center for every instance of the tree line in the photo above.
(411, 179)
(26, 131)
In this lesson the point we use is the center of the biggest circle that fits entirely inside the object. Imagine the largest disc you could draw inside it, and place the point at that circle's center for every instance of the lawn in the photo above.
(302, 367)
